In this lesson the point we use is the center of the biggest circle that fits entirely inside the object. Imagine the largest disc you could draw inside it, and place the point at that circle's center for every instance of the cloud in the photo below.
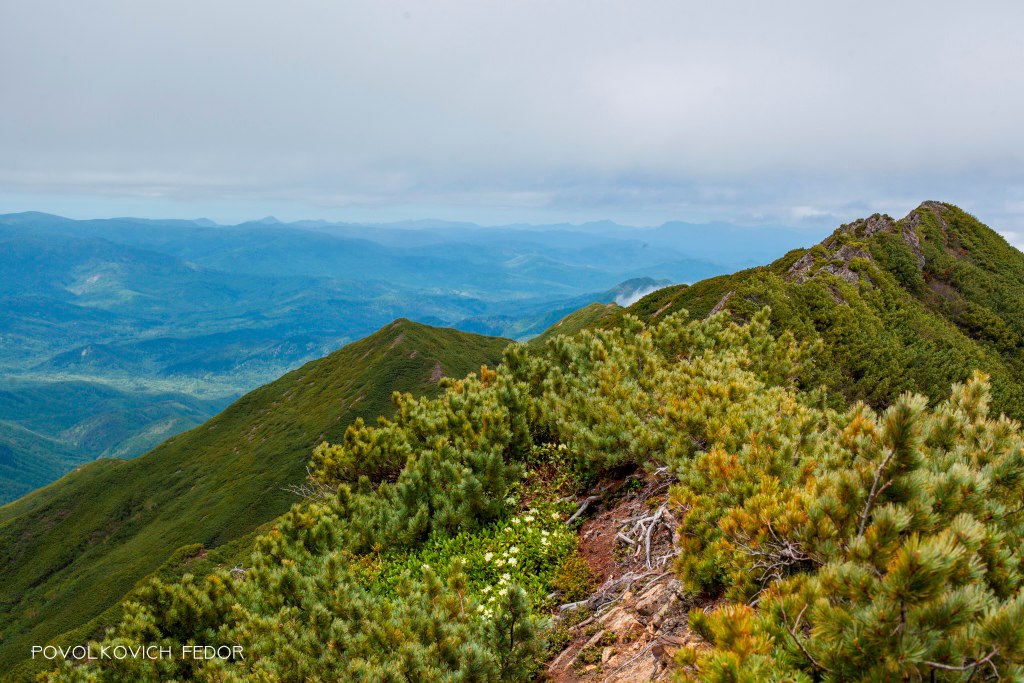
(640, 111)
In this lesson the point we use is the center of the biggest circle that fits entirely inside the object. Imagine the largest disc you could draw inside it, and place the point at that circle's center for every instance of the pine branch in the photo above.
(875, 491)
(796, 639)
(987, 659)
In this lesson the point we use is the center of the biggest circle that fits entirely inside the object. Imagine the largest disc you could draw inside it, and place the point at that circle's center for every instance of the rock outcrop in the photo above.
(835, 254)
(630, 628)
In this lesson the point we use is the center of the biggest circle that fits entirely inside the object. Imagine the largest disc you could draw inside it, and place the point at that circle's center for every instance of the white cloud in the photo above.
(640, 111)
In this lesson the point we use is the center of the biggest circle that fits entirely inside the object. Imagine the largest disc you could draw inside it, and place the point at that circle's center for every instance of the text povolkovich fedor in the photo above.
(88, 652)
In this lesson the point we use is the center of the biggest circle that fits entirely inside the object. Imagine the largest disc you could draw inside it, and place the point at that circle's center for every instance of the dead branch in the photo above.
(311, 489)
(583, 508)
(650, 530)
(987, 659)
(875, 491)
(774, 558)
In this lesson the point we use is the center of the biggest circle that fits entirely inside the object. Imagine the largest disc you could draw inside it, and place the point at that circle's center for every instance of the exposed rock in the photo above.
(801, 268)
(872, 225)
(911, 238)
(639, 613)
(837, 255)
(838, 264)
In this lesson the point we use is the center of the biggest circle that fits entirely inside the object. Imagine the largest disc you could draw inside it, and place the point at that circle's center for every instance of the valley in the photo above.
(171, 320)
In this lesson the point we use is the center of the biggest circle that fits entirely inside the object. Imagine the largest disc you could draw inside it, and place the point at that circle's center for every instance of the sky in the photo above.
(500, 111)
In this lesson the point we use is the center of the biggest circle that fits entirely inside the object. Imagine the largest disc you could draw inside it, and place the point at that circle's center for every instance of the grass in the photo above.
(588, 316)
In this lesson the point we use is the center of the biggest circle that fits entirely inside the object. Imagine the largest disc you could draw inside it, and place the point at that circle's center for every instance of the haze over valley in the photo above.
(117, 334)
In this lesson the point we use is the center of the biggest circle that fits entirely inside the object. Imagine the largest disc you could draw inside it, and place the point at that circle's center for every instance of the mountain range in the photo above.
(171, 319)
(884, 307)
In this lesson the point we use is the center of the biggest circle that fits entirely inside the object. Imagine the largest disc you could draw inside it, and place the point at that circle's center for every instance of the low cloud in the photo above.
(792, 111)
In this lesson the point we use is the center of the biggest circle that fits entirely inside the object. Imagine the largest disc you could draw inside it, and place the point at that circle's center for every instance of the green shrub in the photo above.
(574, 579)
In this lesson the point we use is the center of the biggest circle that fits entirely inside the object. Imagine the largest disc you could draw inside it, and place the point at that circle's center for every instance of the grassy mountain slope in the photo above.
(588, 316)
(71, 550)
(47, 428)
(914, 304)
(29, 460)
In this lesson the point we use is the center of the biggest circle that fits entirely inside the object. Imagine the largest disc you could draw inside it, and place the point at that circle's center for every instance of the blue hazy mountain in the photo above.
(116, 333)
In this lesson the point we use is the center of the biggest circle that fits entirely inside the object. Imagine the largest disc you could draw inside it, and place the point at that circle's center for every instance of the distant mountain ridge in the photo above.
(188, 307)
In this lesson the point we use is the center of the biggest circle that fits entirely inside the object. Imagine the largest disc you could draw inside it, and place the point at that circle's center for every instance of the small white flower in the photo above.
(481, 608)
(488, 557)
(500, 562)
(515, 520)
(543, 541)
(514, 549)
(506, 577)
(486, 589)
(555, 515)
(528, 518)
(512, 561)
(544, 533)
(503, 592)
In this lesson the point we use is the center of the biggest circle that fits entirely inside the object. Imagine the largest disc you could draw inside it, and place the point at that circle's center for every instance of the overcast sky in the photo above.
(641, 111)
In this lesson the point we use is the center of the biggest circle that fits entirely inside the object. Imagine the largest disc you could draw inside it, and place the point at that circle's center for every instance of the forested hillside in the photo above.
(800, 472)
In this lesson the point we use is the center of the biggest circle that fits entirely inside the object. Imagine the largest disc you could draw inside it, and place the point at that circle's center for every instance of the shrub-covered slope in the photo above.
(72, 549)
(817, 544)
(909, 305)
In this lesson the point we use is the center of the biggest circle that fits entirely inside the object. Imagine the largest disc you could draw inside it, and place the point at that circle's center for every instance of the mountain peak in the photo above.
(836, 253)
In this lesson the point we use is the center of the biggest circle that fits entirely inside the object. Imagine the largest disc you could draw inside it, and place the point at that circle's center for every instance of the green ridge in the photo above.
(880, 307)
(588, 316)
(910, 305)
